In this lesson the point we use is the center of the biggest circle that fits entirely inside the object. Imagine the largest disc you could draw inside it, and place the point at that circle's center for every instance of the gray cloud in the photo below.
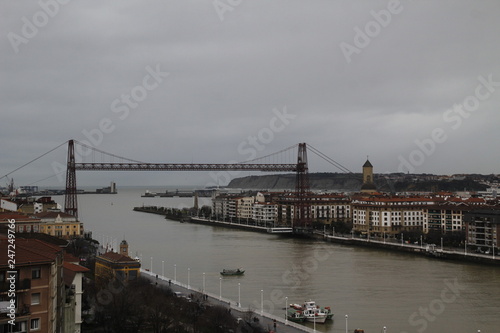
(226, 77)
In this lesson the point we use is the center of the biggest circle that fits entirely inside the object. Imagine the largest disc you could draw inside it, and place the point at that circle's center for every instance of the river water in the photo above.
(375, 288)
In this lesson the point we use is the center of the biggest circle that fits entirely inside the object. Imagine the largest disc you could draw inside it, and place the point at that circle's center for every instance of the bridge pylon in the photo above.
(70, 199)
(302, 220)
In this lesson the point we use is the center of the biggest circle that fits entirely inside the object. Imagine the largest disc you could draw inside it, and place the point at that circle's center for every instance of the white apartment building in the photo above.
(389, 215)
(265, 213)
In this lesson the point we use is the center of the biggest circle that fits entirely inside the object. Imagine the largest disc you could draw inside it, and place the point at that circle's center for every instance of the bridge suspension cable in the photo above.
(329, 159)
(33, 160)
(130, 164)
(286, 150)
(113, 156)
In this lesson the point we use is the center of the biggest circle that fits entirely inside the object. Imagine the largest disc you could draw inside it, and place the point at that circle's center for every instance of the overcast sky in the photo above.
(415, 85)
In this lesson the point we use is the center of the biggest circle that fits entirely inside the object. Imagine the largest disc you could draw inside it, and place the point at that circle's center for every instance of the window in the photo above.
(19, 327)
(36, 273)
(35, 324)
(35, 298)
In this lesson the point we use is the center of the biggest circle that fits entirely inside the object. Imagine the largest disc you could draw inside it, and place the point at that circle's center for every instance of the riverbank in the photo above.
(266, 320)
(161, 211)
(418, 249)
(350, 240)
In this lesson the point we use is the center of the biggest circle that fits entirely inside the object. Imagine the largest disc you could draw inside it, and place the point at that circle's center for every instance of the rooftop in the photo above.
(29, 252)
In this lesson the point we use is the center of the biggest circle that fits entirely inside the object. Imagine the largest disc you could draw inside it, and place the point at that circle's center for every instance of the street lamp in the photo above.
(345, 323)
(385, 329)
(189, 270)
(402, 236)
(421, 244)
(261, 302)
(220, 288)
(239, 295)
(203, 282)
(163, 268)
(151, 267)
(175, 272)
(286, 310)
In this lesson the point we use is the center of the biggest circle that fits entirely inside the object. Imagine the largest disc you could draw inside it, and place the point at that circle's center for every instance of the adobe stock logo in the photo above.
(363, 38)
(30, 28)
(427, 314)
(255, 143)
(121, 108)
(455, 116)
(223, 6)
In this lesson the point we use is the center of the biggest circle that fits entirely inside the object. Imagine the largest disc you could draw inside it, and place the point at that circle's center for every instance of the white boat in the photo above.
(314, 313)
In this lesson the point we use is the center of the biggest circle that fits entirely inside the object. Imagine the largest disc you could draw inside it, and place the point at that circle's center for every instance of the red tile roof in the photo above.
(69, 272)
(116, 257)
(75, 268)
(53, 215)
(29, 252)
(68, 257)
(4, 216)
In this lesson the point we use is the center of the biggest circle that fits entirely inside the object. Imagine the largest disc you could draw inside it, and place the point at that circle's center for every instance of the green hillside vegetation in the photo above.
(353, 182)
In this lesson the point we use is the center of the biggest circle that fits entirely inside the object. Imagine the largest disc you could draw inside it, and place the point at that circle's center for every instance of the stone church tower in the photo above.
(124, 248)
(368, 184)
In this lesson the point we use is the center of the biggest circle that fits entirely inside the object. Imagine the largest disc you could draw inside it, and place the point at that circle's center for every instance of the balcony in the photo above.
(21, 286)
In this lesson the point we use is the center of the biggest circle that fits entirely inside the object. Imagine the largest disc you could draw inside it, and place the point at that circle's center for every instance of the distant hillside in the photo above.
(353, 181)
(318, 181)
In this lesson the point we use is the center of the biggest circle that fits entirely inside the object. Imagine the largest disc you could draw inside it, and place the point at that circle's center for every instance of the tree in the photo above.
(217, 319)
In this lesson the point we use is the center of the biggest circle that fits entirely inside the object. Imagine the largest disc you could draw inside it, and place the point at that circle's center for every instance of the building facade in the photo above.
(388, 215)
(60, 225)
(482, 227)
(39, 287)
(117, 265)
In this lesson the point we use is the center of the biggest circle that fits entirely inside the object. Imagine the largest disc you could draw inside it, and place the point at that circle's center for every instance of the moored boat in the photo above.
(229, 272)
(315, 315)
(328, 311)
(321, 313)
(312, 312)
(295, 315)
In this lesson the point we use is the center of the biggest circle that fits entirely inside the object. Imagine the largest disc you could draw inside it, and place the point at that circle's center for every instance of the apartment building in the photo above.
(265, 213)
(60, 225)
(332, 207)
(482, 227)
(24, 223)
(389, 215)
(39, 287)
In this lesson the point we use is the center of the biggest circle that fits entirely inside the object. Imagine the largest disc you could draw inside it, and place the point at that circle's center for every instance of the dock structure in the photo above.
(280, 230)
(243, 226)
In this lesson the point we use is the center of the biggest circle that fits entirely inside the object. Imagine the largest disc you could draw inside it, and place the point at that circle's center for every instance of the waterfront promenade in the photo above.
(419, 249)
(383, 243)
(266, 320)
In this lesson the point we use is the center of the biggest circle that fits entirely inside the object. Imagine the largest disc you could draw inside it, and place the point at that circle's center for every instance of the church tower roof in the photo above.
(367, 164)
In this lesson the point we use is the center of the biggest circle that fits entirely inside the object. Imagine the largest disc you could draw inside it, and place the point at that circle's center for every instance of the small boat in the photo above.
(149, 194)
(313, 312)
(229, 272)
(315, 315)
(329, 313)
(295, 315)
